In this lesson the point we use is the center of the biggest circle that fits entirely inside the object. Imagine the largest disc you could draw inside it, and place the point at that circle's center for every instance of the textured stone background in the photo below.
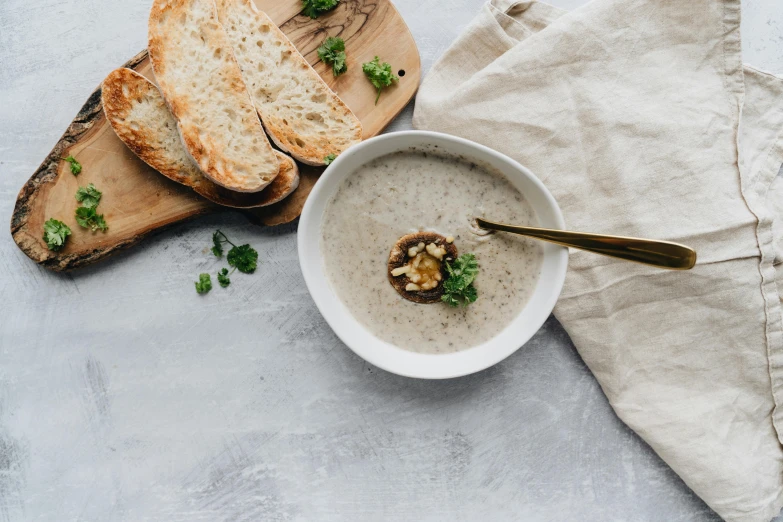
(125, 396)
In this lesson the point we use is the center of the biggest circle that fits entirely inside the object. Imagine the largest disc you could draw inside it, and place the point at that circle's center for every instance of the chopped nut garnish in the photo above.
(419, 257)
(423, 271)
(402, 270)
(436, 251)
(429, 285)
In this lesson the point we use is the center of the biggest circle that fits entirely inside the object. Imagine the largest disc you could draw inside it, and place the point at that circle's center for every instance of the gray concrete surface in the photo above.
(125, 396)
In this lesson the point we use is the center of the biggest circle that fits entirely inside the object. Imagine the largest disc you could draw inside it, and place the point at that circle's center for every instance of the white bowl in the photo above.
(388, 356)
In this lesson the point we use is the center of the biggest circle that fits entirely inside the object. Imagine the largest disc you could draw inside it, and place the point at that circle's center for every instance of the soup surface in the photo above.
(413, 191)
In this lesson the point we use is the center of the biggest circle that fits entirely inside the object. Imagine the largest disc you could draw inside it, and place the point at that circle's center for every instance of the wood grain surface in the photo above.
(138, 201)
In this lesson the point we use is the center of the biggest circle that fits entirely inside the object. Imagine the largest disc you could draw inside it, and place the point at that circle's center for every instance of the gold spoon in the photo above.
(661, 254)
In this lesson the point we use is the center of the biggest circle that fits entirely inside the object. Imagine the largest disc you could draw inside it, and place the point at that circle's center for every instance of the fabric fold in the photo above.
(640, 118)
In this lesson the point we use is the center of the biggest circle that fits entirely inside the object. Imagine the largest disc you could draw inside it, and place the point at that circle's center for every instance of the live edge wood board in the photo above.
(138, 201)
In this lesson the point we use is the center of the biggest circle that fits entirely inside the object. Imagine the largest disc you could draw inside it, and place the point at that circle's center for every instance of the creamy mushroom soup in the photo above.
(414, 191)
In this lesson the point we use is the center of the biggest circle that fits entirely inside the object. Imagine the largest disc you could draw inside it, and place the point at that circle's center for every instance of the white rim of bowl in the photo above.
(306, 221)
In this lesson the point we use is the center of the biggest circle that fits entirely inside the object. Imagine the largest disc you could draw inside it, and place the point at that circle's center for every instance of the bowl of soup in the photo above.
(431, 186)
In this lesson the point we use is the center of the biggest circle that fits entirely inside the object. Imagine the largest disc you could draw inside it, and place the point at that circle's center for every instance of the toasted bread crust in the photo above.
(304, 118)
(138, 114)
(202, 84)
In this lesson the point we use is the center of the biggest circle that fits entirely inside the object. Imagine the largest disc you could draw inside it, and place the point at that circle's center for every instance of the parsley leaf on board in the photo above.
(244, 258)
(88, 196)
(55, 234)
(329, 159)
(204, 284)
(380, 74)
(458, 287)
(315, 8)
(88, 217)
(223, 278)
(76, 167)
(332, 52)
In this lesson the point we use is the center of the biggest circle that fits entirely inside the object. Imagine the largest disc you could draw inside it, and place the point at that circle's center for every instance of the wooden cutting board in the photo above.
(138, 200)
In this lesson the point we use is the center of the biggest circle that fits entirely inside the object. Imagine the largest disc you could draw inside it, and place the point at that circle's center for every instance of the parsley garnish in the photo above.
(88, 196)
(76, 167)
(217, 249)
(204, 284)
(315, 8)
(88, 217)
(223, 278)
(332, 52)
(329, 159)
(244, 258)
(458, 287)
(55, 234)
(380, 74)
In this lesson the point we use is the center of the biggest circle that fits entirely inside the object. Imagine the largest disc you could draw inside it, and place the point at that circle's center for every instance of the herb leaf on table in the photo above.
(204, 284)
(223, 278)
(218, 238)
(244, 258)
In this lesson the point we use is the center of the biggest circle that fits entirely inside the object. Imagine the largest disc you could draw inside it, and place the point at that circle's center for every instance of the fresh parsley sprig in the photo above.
(55, 234)
(380, 75)
(89, 196)
(244, 257)
(76, 167)
(315, 8)
(88, 217)
(204, 284)
(87, 214)
(458, 287)
(329, 159)
(332, 52)
(223, 278)
(218, 238)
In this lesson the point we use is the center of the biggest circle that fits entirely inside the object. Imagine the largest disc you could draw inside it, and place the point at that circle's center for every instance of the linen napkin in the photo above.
(641, 119)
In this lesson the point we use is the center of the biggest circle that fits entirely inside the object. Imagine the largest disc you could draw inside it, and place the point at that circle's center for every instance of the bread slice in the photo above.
(138, 114)
(202, 83)
(299, 111)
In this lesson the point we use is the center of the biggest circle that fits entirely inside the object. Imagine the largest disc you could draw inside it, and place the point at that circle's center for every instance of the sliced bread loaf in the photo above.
(299, 111)
(138, 114)
(202, 83)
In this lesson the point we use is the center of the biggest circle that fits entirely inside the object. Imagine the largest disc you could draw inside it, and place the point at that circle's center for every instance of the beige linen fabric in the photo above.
(640, 118)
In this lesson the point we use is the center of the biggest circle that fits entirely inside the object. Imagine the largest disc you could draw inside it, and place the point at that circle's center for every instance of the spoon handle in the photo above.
(661, 254)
